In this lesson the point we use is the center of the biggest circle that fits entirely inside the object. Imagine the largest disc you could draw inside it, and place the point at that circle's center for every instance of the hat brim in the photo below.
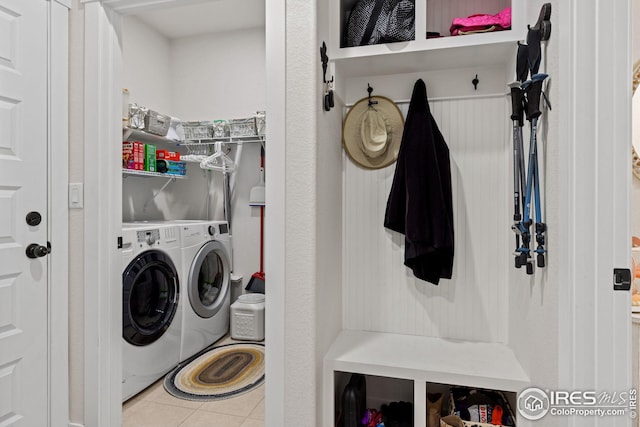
(352, 139)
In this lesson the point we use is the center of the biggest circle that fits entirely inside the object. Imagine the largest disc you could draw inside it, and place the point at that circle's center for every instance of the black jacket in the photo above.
(420, 202)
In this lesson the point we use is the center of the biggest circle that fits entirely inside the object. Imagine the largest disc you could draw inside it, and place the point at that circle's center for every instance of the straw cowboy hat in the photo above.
(371, 134)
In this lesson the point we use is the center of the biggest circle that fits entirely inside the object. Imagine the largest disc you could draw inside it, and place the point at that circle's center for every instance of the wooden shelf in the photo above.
(426, 55)
(426, 359)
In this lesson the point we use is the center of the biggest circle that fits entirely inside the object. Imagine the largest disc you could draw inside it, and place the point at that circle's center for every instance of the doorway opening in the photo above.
(201, 63)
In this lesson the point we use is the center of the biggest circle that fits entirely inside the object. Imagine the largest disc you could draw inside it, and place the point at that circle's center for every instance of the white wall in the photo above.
(302, 170)
(222, 76)
(76, 217)
(635, 57)
(329, 214)
(635, 31)
(147, 66)
(219, 75)
(206, 77)
(380, 293)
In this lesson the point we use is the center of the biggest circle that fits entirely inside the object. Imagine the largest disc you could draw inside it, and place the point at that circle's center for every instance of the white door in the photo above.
(23, 188)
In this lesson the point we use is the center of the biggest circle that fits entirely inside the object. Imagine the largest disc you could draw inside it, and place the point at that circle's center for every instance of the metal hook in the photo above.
(328, 84)
(325, 60)
(370, 89)
(475, 82)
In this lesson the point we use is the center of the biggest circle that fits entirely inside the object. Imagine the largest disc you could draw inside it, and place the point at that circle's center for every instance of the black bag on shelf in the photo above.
(354, 400)
(380, 21)
(397, 414)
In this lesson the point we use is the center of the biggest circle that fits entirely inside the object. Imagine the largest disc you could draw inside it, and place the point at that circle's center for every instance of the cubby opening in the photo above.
(475, 406)
(397, 14)
(432, 18)
(441, 13)
(379, 391)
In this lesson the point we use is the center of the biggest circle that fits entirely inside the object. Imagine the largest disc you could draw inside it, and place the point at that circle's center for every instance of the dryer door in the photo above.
(209, 279)
(150, 297)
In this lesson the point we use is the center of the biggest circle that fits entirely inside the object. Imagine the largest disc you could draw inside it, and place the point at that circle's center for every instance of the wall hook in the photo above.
(475, 82)
(328, 84)
(369, 90)
(325, 60)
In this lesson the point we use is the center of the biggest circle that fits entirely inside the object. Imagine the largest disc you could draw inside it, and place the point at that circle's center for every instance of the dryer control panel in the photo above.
(150, 237)
(218, 229)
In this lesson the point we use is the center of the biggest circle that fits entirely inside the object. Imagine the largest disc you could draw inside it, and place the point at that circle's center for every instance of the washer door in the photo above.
(209, 279)
(150, 297)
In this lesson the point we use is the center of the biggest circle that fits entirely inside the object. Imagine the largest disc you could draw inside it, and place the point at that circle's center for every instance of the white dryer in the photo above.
(206, 260)
(151, 304)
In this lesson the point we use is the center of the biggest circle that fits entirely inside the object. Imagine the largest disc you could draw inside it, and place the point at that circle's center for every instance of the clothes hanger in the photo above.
(218, 161)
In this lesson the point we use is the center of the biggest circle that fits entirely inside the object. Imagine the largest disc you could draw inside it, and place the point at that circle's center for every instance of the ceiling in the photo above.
(206, 17)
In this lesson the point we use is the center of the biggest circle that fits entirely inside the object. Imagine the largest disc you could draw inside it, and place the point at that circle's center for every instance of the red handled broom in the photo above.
(256, 198)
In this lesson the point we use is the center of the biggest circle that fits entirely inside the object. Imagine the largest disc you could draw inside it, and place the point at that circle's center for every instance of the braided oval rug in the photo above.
(218, 373)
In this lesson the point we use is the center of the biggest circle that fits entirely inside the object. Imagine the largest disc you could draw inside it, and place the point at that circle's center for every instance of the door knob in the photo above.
(35, 250)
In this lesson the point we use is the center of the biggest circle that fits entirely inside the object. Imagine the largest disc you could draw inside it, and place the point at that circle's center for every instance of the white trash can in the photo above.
(247, 317)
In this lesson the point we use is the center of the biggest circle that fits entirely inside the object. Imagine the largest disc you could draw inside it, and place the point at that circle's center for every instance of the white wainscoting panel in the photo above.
(380, 293)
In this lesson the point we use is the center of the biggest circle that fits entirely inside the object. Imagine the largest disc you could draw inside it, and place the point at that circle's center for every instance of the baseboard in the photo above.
(75, 425)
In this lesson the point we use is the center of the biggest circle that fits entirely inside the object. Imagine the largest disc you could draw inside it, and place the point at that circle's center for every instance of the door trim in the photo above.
(594, 149)
(58, 214)
(102, 217)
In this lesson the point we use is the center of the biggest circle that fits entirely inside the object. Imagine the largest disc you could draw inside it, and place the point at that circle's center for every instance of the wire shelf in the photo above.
(226, 140)
(150, 174)
(137, 134)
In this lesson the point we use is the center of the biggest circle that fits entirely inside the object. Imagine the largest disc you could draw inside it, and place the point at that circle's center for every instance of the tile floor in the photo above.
(154, 407)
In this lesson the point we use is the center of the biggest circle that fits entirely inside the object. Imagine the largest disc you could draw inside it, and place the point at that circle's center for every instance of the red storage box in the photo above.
(127, 156)
(138, 155)
(168, 155)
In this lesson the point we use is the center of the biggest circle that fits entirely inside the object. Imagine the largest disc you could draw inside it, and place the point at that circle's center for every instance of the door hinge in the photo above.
(119, 242)
(621, 279)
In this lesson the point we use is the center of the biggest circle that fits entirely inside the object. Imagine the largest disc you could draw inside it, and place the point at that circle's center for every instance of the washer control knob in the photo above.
(151, 239)
(212, 230)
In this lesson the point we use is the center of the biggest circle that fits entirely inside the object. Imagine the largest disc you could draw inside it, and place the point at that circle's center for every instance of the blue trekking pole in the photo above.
(533, 90)
(517, 116)
(529, 54)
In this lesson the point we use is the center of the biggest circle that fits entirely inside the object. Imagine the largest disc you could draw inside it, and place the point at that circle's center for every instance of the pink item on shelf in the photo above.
(482, 22)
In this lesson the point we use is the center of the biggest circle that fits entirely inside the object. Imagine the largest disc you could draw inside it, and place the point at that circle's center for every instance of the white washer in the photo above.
(151, 304)
(206, 260)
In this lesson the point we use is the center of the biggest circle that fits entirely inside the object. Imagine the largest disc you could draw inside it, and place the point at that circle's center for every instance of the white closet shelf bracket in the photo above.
(169, 181)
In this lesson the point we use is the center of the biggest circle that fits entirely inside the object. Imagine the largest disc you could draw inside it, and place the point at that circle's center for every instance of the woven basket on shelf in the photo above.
(194, 131)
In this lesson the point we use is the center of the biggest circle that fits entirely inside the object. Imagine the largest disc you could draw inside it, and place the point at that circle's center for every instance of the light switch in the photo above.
(76, 196)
